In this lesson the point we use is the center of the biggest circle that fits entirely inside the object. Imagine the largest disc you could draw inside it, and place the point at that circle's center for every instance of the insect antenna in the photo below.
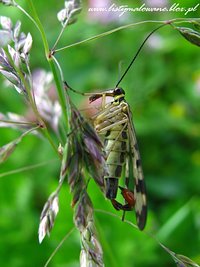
(67, 86)
(137, 53)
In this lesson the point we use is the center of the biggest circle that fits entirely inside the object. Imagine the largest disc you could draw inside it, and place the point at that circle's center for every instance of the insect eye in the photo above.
(119, 91)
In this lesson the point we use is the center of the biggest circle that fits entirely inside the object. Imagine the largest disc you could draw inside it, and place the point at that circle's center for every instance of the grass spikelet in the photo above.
(48, 215)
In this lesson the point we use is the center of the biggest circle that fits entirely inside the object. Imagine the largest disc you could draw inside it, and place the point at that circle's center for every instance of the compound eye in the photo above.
(119, 91)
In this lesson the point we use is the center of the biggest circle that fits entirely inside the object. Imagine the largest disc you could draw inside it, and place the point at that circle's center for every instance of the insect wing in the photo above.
(135, 169)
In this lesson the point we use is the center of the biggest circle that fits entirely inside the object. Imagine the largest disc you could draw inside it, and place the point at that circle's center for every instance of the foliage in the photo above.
(163, 93)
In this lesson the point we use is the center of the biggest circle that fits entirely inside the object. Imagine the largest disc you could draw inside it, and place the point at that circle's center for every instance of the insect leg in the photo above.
(129, 197)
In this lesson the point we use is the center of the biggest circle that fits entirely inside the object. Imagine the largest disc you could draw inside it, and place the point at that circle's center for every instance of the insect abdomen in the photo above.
(115, 145)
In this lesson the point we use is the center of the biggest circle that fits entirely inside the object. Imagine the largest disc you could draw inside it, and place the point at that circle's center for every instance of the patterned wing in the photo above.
(139, 184)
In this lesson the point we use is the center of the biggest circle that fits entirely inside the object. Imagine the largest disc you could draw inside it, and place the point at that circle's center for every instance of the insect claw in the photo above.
(119, 206)
(116, 204)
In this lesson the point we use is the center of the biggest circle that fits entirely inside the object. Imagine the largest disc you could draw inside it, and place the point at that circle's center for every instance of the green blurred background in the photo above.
(163, 90)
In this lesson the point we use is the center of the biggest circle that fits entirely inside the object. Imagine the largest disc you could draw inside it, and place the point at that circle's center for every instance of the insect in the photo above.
(114, 123)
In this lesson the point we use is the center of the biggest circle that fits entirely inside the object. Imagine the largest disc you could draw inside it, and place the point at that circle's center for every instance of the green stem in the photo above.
(29, 131)
(177, 20)
(59, 246)
(27, 168)
(66, 95)
(46, 48)
(18, 122)
(113, 260)
(39, 26)
(61, 93)
(49, 58)
(40, 121)
(42, 124)
(26, 13)
(60, 34)
(45, 132)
